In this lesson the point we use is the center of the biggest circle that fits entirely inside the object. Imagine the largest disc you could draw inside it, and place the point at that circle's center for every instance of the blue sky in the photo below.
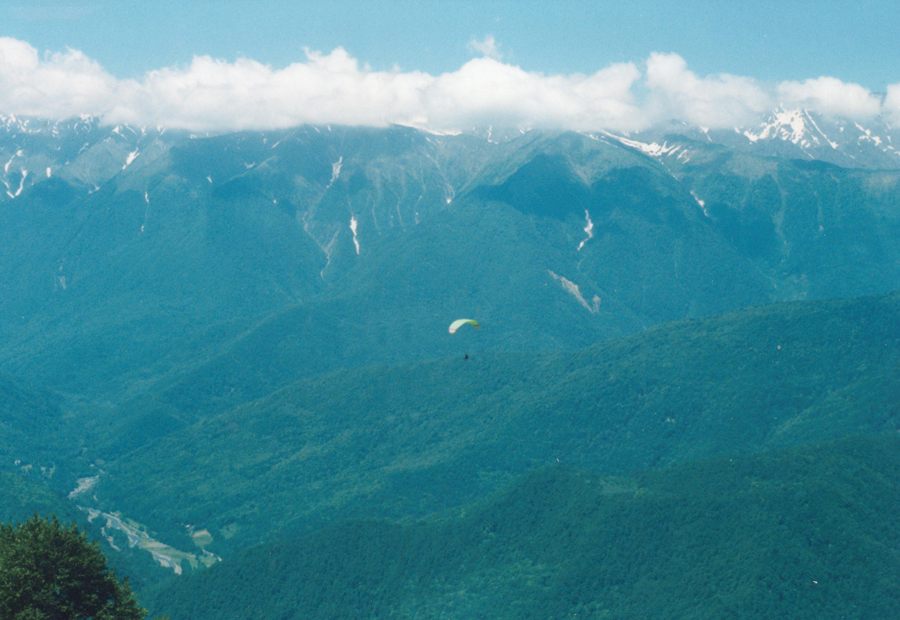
(852, 41)
(771, 46)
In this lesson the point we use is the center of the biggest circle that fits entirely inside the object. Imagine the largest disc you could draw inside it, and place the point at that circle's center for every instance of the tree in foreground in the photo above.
(49, 571)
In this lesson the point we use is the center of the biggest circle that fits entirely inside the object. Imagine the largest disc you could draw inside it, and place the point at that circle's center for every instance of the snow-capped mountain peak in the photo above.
(795, 126)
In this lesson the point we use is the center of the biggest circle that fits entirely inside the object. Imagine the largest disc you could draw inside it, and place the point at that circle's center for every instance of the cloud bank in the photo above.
(486, 47)
(215, 95)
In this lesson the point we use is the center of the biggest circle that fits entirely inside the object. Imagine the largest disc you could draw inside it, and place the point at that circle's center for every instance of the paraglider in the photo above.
(460, 322)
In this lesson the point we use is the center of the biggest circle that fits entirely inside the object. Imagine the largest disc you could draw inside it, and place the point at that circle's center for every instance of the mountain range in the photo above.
(210, 343)
(213, 239)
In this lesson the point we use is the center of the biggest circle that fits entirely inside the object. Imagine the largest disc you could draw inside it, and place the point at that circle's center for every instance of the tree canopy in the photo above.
(50, 571)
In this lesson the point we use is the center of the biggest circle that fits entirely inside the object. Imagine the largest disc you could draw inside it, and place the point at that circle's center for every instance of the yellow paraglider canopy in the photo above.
(460, 322)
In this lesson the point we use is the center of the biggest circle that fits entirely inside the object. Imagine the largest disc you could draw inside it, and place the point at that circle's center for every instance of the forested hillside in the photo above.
(405, 440)
(800, 533)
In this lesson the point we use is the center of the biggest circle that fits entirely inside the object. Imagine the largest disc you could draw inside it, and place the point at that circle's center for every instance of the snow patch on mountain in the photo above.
(867, 134)
(131, 157)
(336, 170)
(795, 126)
(589, 229)
(654, 149)
(18, 153)
(353, 224)
(21, 185)
(423, 127)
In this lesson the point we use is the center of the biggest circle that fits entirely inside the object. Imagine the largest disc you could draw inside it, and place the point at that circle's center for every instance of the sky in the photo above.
(226, 65)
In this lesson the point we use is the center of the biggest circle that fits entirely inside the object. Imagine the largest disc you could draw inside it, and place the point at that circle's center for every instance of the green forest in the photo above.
(409, 439)
(802, 532)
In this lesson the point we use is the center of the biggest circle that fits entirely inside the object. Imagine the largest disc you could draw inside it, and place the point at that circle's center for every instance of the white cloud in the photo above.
(485, 91)
(831, 96)
(62, 84)
(892, 103)
(332, 88)
(486, 47)
(212, 94)
(215, 95)
(712, 101)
